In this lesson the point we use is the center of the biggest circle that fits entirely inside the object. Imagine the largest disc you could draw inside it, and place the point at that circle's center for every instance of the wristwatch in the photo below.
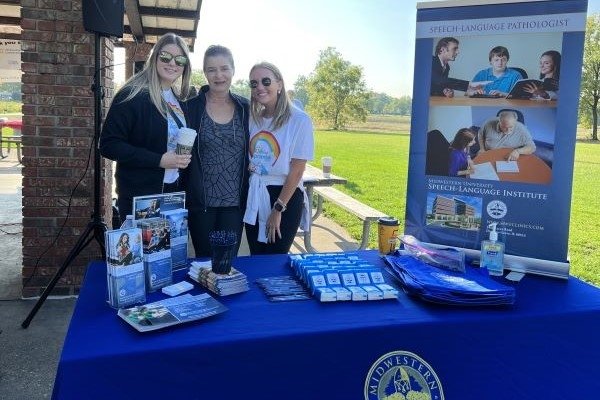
(279, 206)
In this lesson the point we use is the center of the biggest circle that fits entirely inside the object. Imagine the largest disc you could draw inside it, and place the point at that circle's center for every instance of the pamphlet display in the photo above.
(153, 205)
(178, 228)
(173, 311)
(125, 267)
(157, 252)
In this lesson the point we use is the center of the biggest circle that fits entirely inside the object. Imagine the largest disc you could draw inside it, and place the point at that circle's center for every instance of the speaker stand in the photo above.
(96, 228)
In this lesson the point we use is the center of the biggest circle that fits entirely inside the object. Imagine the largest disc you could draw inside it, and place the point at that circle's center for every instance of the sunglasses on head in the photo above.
(166, 57)
(265, 82)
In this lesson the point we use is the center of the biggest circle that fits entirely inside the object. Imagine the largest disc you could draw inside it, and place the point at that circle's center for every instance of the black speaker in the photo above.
(103, 16)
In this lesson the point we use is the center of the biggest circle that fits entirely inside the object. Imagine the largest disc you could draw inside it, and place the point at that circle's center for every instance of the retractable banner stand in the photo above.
(496, 90)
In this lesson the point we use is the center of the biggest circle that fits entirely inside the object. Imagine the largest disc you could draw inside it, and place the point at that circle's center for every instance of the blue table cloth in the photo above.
(544, 347)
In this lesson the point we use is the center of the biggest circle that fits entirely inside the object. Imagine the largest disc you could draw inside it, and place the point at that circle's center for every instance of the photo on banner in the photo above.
(493, 128)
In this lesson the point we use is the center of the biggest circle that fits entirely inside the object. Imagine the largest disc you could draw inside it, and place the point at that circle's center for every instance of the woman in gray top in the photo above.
(217, 179)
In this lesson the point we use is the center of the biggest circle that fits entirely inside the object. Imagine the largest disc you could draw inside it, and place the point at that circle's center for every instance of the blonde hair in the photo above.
(283, 104)
(148, 80)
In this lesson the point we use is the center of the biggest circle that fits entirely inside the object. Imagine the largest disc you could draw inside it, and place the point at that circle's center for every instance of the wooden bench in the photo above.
(10, 140)
(365, 213)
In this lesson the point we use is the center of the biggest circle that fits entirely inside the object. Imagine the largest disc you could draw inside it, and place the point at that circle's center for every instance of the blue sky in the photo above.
(378, 35)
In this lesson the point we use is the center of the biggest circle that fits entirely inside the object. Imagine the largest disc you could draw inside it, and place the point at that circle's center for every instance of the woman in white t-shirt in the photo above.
(281, 142)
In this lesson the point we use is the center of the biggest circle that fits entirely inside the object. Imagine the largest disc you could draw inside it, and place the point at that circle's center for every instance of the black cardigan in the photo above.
(135, 136)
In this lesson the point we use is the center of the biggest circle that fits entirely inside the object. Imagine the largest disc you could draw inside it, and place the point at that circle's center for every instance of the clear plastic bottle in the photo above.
(492, 253)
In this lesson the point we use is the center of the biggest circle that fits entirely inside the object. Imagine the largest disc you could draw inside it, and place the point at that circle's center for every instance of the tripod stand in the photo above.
(96, 227)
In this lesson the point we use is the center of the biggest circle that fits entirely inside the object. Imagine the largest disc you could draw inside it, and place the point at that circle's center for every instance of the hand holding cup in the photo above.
(185, 142)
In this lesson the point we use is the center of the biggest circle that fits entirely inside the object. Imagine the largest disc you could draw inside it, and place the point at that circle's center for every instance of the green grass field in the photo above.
(376, 166)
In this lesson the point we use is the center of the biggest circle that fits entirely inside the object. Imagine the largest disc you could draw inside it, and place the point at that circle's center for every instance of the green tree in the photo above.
(336, 91)
(300, 90)
(590, 77)
(378, 103)
(241, 87)
(198, 79)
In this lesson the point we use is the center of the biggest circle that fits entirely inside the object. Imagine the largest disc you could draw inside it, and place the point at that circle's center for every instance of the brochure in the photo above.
(173, 311)
(124, 267)
(151, 206)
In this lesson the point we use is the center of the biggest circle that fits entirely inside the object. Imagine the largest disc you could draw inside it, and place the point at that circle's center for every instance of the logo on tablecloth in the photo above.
(401, 375)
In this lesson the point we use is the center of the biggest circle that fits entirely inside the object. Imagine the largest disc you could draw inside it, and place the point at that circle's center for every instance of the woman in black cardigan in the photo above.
(142, 126)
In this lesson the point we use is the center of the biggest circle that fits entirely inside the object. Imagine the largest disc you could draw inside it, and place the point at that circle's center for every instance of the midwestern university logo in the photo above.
(401, 375)
(496, 209)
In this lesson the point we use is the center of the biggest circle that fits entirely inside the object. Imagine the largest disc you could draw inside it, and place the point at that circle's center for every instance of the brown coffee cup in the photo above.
(387, 234)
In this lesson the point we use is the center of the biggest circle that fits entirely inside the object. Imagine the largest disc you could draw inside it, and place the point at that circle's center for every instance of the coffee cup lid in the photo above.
(388, 221)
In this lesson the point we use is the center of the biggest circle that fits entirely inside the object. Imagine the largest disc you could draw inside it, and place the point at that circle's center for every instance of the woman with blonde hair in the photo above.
(281, 142)
(142, 126)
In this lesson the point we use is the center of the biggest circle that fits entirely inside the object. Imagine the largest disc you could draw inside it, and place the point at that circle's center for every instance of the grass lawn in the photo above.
(376, 166)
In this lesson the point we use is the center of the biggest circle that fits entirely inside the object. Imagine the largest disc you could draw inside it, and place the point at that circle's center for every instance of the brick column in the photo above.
(135, 53)
(58, 141)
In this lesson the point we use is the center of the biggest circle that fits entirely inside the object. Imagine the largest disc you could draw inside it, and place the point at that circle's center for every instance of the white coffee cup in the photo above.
(326, 162)
(185, 142)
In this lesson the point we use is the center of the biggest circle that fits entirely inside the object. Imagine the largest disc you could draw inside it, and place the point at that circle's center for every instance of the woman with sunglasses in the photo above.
(217, 179)
(281, 142)
(141, 129)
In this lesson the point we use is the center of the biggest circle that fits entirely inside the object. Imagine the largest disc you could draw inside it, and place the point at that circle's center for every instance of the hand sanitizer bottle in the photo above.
(492, 253)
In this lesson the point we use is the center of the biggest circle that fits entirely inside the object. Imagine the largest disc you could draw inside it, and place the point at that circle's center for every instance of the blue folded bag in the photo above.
(474, 287)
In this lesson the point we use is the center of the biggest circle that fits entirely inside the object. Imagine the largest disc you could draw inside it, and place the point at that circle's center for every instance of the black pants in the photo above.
(290, 221)
(202, 221)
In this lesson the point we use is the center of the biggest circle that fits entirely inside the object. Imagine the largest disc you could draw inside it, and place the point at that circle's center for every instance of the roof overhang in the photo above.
(144, 21)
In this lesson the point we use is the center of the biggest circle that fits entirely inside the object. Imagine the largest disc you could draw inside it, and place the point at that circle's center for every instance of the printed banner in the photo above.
(494, 123)
(10, 61)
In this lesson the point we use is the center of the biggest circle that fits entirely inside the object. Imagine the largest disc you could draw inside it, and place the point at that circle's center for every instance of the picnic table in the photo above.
(15, 139)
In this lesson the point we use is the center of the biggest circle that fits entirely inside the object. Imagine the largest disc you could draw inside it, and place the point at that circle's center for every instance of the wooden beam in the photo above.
(162, 31)
(135, 20)
(10, 21)
(170, 12)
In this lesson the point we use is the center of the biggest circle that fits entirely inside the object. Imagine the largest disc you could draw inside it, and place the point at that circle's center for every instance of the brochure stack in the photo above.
(221, 284)
(125, 267)
(157, 252)
(178, 227)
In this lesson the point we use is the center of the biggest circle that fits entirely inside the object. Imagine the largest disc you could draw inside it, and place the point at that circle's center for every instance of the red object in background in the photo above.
(16, 124)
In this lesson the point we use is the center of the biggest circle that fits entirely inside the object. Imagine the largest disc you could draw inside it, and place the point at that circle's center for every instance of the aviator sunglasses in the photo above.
(265, 82)
(166, 57)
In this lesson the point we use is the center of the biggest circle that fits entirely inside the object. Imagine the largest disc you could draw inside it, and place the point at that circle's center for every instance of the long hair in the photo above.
(462, 138)
(148, 80)
(555, 56)
(283, 105)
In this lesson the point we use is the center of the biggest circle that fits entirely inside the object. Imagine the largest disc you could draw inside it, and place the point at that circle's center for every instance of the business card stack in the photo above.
(220, 284)
(341, 277)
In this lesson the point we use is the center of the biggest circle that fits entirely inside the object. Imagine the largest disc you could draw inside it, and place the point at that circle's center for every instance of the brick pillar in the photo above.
(135, 53)
(58, 137)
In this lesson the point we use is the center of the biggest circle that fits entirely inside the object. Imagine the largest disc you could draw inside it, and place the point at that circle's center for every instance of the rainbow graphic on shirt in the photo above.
(264, 152)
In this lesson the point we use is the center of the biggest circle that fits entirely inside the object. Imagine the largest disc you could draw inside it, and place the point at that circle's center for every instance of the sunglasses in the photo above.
(166, 57)
(265, 82)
